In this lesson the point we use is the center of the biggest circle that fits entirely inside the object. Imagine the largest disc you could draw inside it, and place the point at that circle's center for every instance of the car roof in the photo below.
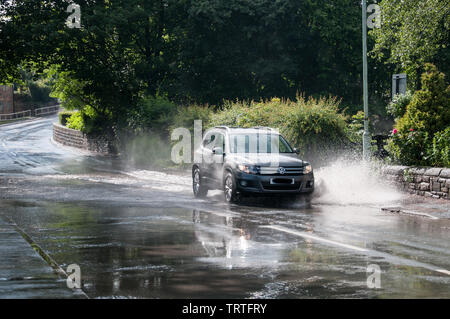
(250, 130)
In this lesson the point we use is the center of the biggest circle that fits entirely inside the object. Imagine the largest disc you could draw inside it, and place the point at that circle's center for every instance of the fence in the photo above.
(46, 110)
(13, 116)
(43, 111)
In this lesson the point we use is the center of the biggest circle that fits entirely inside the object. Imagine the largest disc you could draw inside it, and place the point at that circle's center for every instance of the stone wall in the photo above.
(426, 181)
(74, 138)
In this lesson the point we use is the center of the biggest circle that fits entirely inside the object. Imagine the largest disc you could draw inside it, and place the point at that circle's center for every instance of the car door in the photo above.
(207, 154)
(218, 158)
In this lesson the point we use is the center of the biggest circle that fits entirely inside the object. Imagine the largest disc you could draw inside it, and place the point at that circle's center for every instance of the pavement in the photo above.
(432, 209)
(23, 273)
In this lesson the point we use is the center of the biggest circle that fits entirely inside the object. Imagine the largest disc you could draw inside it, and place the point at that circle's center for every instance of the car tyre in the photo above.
(199, 188)
(229, 189)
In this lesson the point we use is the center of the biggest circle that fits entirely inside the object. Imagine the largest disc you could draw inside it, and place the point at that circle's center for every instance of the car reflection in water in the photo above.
(230, 243)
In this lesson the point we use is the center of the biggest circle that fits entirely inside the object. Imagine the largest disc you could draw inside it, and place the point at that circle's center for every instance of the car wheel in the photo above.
(200, 190)
(229, 189)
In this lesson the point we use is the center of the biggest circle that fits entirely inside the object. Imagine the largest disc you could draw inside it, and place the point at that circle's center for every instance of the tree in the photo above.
(114, 58)
(413, 33)
(201, 51)
(265, 48)
(427, 116)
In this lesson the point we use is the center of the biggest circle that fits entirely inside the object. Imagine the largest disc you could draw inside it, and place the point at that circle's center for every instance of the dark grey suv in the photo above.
(249, 161)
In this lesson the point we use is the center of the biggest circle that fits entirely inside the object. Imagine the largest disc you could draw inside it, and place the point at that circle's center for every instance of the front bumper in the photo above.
(274, 184)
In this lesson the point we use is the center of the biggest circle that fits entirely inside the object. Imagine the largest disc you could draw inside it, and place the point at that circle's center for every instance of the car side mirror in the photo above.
(217, 151)
(296, 150)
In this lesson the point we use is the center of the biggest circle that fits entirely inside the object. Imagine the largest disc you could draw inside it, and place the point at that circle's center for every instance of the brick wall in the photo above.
(77, 139)
(6, 99)
(425, 181)
(21, 103)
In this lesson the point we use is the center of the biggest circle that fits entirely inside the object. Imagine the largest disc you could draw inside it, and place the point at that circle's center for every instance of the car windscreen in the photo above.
(262, 143)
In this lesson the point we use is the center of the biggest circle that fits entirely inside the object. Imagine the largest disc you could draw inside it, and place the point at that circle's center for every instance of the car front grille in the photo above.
(280, 187)
(274, 170)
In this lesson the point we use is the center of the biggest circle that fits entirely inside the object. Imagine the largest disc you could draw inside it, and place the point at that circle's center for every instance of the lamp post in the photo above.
(366, 135)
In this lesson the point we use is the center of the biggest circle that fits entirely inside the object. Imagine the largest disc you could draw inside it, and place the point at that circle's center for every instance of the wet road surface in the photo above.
(141, 234)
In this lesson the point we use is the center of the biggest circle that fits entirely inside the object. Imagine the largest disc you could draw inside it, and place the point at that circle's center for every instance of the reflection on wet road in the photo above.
(141, 234)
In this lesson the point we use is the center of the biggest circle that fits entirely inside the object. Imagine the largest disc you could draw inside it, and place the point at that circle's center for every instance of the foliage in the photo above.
(75, 121)
(429, 109)
(64, 116)
(420, 135)
(397, 108)
(413, 33)
(39, 91)
(33, 88)
(438, 152)
(356, 128)
(271, 48)
(408, 148)
(152, 114)
(315, 126)
(67, 89)
(201, 51)
(107, 64)
(186, 116)
(97, 124)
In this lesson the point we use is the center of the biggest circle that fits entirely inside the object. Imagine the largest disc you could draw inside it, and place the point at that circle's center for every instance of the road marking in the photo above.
(368, 251)
(304, 235)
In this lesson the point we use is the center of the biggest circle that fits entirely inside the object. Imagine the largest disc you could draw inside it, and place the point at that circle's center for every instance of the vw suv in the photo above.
(247, 161)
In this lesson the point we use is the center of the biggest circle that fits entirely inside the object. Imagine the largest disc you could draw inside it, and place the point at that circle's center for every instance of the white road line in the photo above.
(368, 251)
(302, 234)
(443, 271)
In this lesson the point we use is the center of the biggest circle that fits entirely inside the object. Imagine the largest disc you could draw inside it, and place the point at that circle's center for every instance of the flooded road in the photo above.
(142, 234)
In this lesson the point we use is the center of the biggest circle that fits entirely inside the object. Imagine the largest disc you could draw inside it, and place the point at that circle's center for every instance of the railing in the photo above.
(13, 116)
(43, 111)
(46, 110)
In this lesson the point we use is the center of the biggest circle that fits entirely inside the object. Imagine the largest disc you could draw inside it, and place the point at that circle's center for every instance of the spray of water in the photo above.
(347, 182)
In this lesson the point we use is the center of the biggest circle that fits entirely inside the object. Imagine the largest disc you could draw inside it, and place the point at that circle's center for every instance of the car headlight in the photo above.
(308, 169)
(249, 169)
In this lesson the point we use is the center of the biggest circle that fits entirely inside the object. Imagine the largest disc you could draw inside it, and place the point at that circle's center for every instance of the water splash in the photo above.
(353, 183)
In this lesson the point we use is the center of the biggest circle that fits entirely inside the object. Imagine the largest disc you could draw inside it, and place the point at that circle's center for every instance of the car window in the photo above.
(210, 140)
(259, 143)
(220, 141)
(284, 146)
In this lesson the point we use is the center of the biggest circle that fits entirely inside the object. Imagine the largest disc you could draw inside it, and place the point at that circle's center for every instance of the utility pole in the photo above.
(366, 135)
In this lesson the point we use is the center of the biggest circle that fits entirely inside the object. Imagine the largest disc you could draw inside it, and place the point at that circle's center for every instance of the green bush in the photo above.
(409, 148)
(397, 108)
(75, 121)
(97, 124)
(153, 114)
(424, 123)
(64, 116)
(438, 152)
(40, 92)
(355, 130)
(186, 116)
(314, 126)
